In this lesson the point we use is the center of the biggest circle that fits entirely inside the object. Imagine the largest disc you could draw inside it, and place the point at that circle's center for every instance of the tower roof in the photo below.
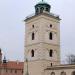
(41, 7)
(42, 2)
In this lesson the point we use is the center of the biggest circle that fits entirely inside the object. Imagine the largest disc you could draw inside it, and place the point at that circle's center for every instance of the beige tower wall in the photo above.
(41, 45)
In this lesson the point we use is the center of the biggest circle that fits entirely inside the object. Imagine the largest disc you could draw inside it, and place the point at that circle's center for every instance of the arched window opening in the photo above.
(51, 53)
(37, 11)
(32, 53)
(63, 73)
(52, 73)
(47, 9)
(33, 36)
(51, 64)
(32, 26)
(73, 73)
(41, 10)
(50, 36)
(50, 25)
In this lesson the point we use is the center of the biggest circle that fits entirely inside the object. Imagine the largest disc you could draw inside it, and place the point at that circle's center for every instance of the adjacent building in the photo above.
(10, 67)
(42, 43)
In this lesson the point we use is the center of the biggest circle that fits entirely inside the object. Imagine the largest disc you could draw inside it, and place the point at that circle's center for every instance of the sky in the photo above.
(12, 26)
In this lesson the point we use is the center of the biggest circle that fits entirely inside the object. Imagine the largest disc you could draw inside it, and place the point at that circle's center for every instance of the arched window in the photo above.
(37, 11)
(33, 36)
(32, 53)
(47, 9)
(73, 73)
(32, 26)
(63, 73)
(51, 64)
(50, 25)
(41, 10)
(50, 36)
(51, 53)
(52, 73)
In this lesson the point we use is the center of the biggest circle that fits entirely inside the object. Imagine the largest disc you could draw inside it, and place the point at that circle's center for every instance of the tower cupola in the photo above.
(42, 7)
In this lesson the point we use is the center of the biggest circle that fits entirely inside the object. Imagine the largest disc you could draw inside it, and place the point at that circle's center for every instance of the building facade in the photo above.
(42, 43)
(10, 67)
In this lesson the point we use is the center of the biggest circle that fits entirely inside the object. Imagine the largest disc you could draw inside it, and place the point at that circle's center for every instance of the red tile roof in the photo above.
(12, 65)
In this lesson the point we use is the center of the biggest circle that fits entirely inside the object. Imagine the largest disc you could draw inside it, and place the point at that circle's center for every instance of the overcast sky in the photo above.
(12, 29)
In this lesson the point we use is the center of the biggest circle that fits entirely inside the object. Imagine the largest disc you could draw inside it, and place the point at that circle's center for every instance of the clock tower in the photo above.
(42, 40)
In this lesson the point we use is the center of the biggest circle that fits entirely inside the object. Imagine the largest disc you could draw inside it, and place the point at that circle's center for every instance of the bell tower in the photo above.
(42, 40)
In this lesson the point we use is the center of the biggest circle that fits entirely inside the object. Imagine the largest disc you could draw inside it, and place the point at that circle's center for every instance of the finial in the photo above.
(42, 0)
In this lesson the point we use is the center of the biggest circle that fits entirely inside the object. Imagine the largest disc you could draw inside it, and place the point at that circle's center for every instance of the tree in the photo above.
(71, 59)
